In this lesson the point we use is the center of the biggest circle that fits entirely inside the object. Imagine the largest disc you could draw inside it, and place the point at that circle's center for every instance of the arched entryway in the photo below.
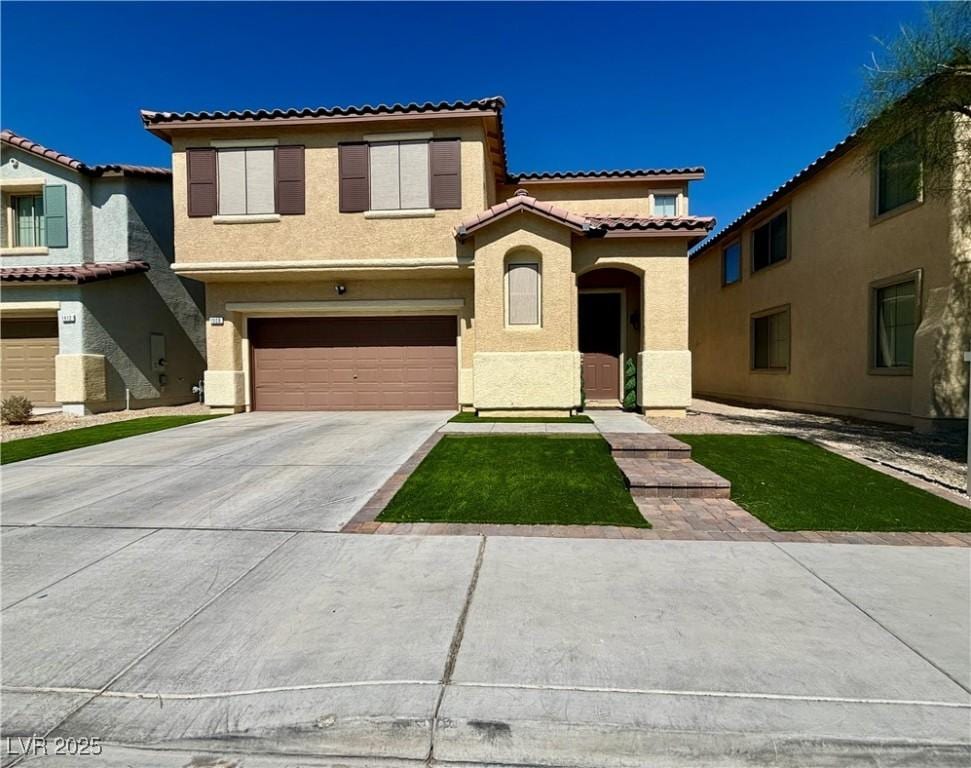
(608, 302)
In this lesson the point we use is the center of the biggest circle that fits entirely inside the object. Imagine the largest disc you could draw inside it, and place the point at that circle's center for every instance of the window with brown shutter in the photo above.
(201, 175)
(290, 184)
(444, 162)
(354, 187)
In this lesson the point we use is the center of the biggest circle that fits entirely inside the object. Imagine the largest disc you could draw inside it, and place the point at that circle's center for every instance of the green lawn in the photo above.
(520, 480)
(32, 447)
(471, 418)
(796, 486)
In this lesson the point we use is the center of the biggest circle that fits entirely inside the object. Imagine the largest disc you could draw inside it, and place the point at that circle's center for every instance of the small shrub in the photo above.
(630, 385)
(16, 409)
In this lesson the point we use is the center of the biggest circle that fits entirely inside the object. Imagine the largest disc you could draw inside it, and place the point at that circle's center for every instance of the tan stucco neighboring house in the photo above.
(847, 290)
(383, 257)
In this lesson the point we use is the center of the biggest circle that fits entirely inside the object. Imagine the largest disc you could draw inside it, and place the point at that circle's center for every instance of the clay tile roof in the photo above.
(625, 173)
(817, 165)
(77, 274)
(593, 225)
(492, 103)
(653, 223)
(27, 145)
(161, 123)
(521, 202)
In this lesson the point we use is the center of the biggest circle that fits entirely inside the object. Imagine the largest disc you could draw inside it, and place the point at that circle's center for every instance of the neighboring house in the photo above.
(93, 318)
(847, 290)
(382, 257)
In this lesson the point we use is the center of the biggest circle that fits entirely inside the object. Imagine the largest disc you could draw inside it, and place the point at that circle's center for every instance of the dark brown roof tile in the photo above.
(27, 145)
(76, 274)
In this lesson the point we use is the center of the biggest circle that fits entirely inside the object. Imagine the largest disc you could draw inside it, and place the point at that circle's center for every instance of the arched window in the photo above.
(523, 290)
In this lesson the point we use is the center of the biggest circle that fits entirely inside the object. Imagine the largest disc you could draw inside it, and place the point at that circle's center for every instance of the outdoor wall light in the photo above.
(341, 289)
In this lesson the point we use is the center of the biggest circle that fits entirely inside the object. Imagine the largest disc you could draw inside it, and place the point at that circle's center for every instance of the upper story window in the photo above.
(770, 242)
(399, 175)
(665, 205)
(37, 217)
(419, 175)
(770, 340)
(523, 301)
(898, 176)
(28, 214)
(895, 309)
(732, 263)
(245, 180)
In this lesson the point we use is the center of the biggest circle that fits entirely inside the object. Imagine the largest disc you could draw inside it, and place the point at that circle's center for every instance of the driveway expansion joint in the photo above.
(876, 621)
(454, 646)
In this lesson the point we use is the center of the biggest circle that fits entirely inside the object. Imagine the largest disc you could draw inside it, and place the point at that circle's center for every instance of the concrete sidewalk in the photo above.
(322, 649)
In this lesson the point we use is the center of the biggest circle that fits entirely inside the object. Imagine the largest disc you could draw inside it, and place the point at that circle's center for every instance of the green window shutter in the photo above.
(55, 215)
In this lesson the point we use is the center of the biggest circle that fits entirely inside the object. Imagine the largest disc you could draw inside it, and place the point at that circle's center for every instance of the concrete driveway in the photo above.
(258, 471)
(221, 627)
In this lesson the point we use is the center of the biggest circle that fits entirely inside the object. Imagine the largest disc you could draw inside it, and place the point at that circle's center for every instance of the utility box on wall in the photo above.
(157, 352)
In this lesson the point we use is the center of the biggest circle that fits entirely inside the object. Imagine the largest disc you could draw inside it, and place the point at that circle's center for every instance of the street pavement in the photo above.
(220, 635)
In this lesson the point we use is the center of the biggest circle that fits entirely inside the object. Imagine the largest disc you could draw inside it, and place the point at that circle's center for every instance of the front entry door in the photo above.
(600, 345)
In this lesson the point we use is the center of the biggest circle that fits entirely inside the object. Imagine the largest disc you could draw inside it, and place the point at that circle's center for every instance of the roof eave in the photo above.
(164, 127)
(658, 177)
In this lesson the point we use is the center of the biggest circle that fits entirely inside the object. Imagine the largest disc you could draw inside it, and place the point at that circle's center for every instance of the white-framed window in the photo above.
(29, 228)
(666, 205)
(399, 175)
(246, 180)
(523, 293)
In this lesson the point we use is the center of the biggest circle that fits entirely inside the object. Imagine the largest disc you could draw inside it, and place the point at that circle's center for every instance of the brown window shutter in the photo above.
(354, 187)
(201, 174)
(444, 161)
(290, 186)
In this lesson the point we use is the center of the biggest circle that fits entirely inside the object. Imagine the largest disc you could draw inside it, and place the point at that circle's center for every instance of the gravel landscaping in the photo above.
(939, 459)
(47, 424)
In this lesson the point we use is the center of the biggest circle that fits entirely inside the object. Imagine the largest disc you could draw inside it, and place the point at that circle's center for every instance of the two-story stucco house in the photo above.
(847, 290)
(92, 318)
(382, 257)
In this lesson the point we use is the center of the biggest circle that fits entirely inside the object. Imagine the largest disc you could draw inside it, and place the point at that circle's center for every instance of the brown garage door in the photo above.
(27, 350)
(354, 363)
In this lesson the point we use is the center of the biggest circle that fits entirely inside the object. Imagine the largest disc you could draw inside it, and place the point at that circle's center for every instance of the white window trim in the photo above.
(246, 218)
(399, 136)
(243, 143)
(401, 213)
(680, 200)
(539, 295)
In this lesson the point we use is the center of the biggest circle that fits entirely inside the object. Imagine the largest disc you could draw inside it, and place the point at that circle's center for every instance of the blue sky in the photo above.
(752, 91)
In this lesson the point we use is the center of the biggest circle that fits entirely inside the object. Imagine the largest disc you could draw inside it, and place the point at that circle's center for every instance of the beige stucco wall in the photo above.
(525, 366)
(80, 379)
(509, 357)
(323, 232)
(630, 197)
(837, 250)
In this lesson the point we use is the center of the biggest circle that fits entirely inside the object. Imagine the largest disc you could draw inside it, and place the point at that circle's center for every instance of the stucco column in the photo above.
(225, 381)
(664, 362)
